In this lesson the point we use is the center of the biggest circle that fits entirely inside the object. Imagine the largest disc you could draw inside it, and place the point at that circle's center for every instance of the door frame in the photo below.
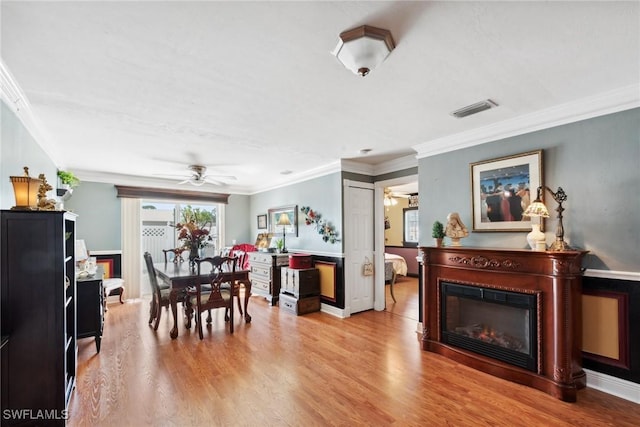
(379, 289)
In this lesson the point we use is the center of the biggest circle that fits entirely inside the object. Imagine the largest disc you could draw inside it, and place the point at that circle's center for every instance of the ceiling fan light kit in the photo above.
(363, 48)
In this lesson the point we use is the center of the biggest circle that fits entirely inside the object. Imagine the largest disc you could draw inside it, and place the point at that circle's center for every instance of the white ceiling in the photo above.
(129, 90)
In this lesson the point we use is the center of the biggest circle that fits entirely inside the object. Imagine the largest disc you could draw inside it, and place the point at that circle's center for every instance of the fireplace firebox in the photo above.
(497, 324)
(515, 314)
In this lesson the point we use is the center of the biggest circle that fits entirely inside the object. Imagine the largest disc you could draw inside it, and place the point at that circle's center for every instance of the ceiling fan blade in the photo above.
(228, 177)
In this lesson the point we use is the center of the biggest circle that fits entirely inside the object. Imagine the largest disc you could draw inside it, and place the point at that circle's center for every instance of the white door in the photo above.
(359, 245)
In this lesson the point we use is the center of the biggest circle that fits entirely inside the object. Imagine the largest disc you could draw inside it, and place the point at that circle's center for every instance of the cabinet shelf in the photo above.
(38, 310)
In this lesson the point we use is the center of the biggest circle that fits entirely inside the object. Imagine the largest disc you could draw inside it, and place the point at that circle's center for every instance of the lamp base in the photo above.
(559, 246)
(24, 208)
(536, 239)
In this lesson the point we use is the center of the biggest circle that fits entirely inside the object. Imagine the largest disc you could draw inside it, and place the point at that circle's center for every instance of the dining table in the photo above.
(180, 275)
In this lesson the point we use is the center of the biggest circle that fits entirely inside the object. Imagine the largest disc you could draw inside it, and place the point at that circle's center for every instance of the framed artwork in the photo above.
(501, 189)
(275, 214)
(262, 222)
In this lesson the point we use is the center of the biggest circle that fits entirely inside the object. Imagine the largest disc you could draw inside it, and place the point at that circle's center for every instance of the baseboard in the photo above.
(611, 385)
(334, 311)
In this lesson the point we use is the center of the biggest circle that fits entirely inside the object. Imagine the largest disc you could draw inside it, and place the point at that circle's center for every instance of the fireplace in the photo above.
(515, 314)
(497, 324)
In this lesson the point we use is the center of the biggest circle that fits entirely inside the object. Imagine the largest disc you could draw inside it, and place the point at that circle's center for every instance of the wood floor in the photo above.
(311, 370)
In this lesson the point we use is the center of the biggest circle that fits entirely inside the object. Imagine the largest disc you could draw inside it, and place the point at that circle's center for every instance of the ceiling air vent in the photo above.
(474, 108)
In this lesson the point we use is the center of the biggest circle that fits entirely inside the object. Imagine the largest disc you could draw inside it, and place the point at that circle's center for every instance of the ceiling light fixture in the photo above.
(474, 108)
(363, 48)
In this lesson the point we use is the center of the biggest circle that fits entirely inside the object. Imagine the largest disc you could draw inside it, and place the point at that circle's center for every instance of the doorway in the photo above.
(402, 221)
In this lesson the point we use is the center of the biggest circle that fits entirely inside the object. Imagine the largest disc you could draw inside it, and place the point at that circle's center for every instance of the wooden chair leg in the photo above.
(393, 281)
(121, 293)
(152, 310)
(158, 315)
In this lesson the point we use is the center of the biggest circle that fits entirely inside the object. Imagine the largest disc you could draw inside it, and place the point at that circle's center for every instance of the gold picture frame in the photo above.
(502, 188)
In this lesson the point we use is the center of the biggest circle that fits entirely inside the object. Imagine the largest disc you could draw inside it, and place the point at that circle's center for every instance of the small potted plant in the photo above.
(279, 245)
(68, 179)
(437, 232)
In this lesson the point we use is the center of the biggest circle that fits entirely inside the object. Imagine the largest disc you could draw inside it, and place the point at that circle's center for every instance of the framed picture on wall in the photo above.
(501, 190)
(284, 214)
(262, 222)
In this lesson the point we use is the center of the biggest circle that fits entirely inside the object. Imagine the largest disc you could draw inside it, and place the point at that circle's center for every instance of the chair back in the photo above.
(155, 287)
(221, 277)
(177, 255)
(241, 259)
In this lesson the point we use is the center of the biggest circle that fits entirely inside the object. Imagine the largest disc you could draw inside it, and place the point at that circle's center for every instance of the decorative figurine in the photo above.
(455, 229)
(45, 204)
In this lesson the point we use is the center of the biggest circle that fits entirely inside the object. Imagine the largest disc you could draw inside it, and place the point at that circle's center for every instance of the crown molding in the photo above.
(356, 167)
(614, 101)
(301, 177)
(13, 96)
(401, 163)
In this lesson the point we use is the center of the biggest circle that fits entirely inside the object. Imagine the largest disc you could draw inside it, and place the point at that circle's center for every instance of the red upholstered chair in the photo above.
(242, 249)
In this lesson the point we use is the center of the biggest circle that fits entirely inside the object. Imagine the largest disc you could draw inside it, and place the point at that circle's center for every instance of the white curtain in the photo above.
(131, 247)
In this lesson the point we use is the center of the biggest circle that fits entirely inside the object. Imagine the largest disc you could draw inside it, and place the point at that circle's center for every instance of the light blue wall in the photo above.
(99, 219)
(19, 149)
(323, 195)
(237, 220)
(596, 162)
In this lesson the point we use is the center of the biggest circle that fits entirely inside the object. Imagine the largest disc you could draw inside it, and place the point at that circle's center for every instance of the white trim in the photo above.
(107, 252)
(395, 165)
(334, 311)
(357, 167)
(303, 176)
(611, 274)
(17, 101)
(317, 253)
(357, 184)
(610, 102)
(611, 385)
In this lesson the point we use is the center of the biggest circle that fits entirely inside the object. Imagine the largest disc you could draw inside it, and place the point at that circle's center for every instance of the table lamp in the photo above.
(283, 220)
(538, 209)
(25, 189)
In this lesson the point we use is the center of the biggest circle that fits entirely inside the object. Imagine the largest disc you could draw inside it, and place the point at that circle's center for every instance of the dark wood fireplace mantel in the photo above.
(554, 277)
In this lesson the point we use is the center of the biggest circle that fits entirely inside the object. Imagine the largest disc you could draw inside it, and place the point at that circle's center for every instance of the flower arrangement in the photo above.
(194, 229)
(327, 231)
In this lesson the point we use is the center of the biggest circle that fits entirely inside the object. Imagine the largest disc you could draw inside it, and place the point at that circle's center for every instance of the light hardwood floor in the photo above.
(311, 370)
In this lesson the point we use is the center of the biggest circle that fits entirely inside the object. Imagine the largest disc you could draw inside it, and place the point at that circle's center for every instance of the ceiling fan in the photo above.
(198, 177)
(390, 197)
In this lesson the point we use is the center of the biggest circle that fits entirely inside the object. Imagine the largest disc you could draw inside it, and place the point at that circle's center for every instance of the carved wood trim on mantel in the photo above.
(555, 278)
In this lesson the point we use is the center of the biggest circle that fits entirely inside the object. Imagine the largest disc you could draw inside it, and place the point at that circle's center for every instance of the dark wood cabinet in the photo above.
(553, 279)
(91, 307)
(38, 316)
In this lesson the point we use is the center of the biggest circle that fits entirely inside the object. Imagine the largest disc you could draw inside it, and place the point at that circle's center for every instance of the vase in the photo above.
(536, 238)
(193, 254)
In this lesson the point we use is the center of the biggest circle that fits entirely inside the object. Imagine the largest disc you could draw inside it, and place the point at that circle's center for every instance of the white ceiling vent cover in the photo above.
(474, 108)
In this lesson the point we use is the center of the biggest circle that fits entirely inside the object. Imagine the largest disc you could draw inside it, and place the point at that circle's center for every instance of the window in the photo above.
(410, 226)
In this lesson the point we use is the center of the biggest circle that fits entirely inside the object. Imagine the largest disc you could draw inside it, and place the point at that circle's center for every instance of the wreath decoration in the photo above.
(326, 230)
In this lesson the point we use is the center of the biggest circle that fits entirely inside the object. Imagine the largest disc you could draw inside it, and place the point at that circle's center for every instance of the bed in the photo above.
(399, 263)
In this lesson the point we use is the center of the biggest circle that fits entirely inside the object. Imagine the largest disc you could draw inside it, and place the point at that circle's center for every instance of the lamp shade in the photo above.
(81, 250)
(537, 208)
(363, 48)
(25, 190)
(283, 220)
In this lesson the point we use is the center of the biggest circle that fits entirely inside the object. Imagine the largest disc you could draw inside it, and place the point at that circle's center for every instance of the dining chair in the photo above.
(222, 287)
(177, 255)
(160, 295)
